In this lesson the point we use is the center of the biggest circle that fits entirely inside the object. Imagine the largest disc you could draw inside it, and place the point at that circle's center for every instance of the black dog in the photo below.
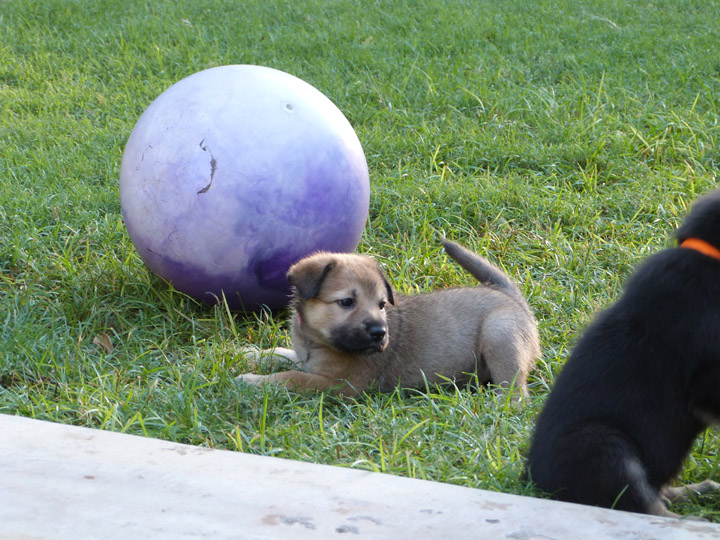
(641, 384)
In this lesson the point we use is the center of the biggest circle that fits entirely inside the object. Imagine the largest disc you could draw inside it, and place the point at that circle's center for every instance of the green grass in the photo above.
(564, 140)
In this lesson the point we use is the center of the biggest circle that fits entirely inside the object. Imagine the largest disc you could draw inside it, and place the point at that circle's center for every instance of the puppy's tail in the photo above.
(482, 269)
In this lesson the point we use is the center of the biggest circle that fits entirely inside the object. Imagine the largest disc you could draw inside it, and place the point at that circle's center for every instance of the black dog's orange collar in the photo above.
(702, 246)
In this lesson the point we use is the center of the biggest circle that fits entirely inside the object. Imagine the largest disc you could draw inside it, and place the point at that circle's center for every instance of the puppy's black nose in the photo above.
(377, 332)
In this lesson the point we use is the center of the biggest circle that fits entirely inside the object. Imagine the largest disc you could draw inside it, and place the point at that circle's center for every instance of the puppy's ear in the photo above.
(388, 287)
(308, 275)
(391, 296)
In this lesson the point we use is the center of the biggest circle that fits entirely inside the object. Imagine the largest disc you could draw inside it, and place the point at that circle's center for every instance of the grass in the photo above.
(565, 140)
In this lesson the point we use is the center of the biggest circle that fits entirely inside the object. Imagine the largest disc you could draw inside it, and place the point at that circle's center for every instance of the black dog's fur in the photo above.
(641, 384)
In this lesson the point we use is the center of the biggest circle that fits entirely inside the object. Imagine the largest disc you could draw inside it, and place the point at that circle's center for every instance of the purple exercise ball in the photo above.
(235, 173)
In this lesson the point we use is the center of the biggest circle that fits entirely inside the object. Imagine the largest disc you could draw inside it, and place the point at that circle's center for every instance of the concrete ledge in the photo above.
(68, 482)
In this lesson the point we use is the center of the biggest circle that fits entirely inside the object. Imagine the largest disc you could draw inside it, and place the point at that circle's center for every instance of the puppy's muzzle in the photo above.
(370, 337)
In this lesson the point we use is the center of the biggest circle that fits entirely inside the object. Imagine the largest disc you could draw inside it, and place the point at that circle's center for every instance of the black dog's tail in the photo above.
(482, 269)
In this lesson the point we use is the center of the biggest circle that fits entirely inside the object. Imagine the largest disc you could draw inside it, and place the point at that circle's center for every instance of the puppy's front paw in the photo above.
(251, 354)
(251, 379)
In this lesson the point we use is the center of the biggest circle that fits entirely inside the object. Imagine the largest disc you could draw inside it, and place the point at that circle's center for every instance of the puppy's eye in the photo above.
(382, 305)
(346, 302)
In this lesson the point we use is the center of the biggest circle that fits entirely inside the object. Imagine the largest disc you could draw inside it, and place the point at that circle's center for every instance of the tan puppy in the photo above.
(350, 332)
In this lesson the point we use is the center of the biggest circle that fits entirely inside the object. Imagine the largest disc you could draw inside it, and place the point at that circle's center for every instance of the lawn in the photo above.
(563, 140)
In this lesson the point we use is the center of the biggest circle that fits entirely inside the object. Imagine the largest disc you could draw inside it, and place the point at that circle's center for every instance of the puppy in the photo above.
(641, 384)
(351, 332)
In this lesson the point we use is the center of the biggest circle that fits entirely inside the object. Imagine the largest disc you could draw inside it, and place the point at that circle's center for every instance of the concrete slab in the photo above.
(63, 482)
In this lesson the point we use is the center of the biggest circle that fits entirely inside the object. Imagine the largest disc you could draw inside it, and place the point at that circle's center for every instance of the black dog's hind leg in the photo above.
(637, 494)
(603, 468)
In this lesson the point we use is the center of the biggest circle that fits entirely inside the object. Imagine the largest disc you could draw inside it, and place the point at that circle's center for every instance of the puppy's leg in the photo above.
(254, 355)
(507, 354)
(296, 380)
(689, 491)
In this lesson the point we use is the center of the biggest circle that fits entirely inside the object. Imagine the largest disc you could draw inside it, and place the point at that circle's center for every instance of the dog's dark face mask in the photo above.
(368, 336)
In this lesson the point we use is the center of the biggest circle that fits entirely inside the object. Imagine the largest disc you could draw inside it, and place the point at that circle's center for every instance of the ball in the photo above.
(235, 173)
